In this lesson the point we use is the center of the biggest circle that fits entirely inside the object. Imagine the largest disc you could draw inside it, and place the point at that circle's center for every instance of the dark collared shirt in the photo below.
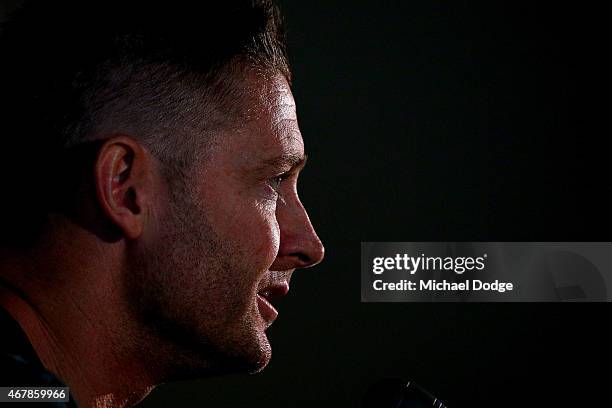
(20, 365)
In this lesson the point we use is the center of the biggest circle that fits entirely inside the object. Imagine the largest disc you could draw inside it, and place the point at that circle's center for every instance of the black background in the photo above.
(427, 121)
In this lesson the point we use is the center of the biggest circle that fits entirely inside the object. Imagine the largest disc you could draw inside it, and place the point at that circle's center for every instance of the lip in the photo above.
(267, 311)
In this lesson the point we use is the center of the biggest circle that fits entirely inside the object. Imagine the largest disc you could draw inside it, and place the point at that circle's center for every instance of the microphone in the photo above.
(399, 393)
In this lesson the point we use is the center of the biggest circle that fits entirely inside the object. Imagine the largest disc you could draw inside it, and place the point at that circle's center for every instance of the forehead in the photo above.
(269, 126)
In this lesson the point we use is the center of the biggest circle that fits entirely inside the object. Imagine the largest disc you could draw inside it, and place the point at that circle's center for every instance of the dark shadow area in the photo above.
(428, 121)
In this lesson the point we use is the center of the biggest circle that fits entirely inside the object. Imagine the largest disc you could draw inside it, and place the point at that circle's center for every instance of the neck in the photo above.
(81, 333)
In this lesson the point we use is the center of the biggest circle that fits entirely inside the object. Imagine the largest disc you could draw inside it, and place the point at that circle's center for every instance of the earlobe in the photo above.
(121, 184)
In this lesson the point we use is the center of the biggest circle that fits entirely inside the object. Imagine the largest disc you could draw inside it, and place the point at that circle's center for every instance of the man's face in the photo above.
(230, 240)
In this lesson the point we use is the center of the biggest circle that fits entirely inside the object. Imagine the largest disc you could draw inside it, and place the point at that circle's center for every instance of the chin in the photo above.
(250, 359)
(262, 355)
(263, 363)
(249, 352)
(252, 363)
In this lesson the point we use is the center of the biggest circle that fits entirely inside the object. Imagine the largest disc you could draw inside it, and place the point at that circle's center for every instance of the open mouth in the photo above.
(264, 300)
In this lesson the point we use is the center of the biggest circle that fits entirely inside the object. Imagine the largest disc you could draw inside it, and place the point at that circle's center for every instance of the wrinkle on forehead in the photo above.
(270, 94)
(287, 131)
(275, 102)
(268, 126)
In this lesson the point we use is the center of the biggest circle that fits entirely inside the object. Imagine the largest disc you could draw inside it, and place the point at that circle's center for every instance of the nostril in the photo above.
(303, 259)
(311, 255)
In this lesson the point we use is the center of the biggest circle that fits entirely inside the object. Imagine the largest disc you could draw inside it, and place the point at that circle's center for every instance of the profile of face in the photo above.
(226, 242)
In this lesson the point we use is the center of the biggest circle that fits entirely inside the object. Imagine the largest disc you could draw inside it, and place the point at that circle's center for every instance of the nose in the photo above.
(300, 246)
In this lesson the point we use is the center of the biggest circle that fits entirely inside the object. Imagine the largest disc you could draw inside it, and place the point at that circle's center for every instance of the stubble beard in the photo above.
(185, 291)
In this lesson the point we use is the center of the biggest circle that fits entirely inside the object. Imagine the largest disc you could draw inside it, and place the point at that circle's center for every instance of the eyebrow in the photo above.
(291, 160)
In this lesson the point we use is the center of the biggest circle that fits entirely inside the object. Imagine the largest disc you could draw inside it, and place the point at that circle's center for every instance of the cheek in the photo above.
(259, 233)
(270, 245)
(245, 223)
(266, 236)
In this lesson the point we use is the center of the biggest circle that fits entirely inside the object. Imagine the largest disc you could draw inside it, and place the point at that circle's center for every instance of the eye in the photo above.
(276, 182)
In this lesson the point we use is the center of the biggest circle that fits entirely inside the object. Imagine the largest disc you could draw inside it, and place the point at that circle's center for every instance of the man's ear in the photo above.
(123, 183)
